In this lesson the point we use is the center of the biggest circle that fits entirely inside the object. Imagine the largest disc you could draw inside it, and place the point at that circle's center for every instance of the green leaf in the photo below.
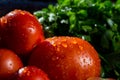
(82, 13)
(87, 28)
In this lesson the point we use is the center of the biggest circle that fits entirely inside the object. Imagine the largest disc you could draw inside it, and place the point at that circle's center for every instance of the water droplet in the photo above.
(54, 45)
(64, 45)
(3, 20)
(57, 57)
(58, 49)
(64, 40)
(22, 70)
(74, 42)
(28, 73)
(23, 13)
(81, 48)
(59, 43)
(52, 42)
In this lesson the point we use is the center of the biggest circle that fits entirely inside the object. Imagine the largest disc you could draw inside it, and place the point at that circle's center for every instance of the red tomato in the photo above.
(20, 31)
(98, 78)
(31, 73)
(66, 58)
(9, 64)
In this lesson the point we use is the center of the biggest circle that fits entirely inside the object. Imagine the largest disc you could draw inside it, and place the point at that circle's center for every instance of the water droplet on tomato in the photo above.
(64, 45)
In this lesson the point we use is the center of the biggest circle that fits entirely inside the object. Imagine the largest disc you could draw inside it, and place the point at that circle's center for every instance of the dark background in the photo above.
(29, 5)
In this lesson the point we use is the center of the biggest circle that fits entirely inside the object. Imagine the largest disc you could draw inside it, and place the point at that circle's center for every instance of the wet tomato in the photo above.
(31, 73)
(20, 31)
(66, 58)
(99, 78)
(9, 64)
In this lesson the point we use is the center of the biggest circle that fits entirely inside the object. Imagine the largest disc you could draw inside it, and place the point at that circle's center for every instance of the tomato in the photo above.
(20, 31)
(98, 78)
(9, 64)
(66, 58)
(31, 73)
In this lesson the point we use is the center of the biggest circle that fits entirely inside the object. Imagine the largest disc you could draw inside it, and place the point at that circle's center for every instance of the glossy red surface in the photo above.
(31, 73)
(66, 58)
(9, 64)
(20, 31)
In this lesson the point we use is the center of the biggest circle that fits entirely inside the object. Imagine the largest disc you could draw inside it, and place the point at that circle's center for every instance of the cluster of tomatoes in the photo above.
(26, 55)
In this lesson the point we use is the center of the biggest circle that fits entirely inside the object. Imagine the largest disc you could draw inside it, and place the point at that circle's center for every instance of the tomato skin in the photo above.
(66, 58)
(20, 31)
(9, 64)
(99, 78)
(31, 73)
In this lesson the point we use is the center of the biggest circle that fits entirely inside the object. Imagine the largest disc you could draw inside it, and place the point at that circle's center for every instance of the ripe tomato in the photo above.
(31, 73)
(98, 78)
(20, 31)
(66, 58)
(9, 64)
